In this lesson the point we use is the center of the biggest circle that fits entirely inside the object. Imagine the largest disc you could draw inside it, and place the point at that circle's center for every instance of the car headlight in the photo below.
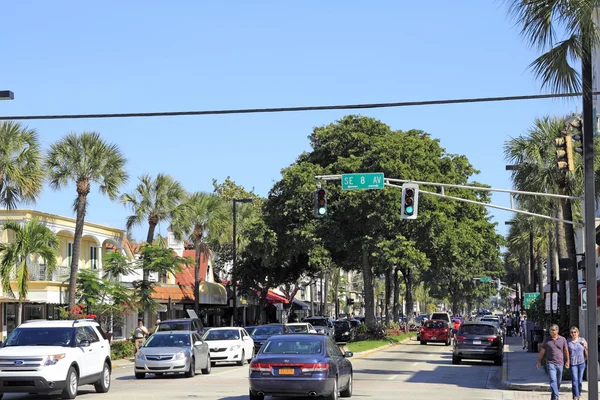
(179, 356)
(235, 347)
(51, 360)
(140, 356)
(346, 333)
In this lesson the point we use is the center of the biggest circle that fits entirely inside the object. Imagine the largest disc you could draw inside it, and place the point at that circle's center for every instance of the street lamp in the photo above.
(233, 276)
(6, 95)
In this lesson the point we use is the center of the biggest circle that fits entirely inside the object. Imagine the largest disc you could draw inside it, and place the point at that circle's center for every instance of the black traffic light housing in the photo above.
(320, 202)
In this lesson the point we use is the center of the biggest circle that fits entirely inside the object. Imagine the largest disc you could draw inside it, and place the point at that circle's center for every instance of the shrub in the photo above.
(122, 349)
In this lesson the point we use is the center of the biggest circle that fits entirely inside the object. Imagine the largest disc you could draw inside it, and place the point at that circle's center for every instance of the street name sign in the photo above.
(528, 298)
(362, 181)
(583, 299)
(485, 279)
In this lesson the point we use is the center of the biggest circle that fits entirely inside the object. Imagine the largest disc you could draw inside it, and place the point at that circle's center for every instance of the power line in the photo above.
(291, 109)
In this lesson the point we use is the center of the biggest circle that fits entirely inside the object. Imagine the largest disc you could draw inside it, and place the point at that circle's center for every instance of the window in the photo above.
(93, 257)
(69, 253)
(91, 335)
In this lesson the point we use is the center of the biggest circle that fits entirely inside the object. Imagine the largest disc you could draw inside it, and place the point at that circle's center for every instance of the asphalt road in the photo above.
(404, 371)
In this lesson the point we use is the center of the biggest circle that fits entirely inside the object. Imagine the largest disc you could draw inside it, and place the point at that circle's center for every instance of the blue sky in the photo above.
(141, 56)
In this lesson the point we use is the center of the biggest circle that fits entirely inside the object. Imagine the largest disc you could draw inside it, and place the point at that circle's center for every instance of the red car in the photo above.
(436, 331)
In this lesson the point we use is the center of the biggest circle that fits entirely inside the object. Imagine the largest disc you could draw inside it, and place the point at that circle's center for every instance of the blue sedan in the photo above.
(300, 365)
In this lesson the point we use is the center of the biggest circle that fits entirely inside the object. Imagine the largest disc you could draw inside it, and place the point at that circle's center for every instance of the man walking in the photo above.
(557, 354)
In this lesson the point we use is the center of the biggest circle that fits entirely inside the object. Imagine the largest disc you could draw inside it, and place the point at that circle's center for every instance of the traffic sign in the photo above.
(485, 279)
(528, 298)
(583, 299)
(554, 301)
(362, 181)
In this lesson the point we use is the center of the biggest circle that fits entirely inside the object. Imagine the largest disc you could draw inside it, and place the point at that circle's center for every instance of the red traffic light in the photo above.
(321, 193)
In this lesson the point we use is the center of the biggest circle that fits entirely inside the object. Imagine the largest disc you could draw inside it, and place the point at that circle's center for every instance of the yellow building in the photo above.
(48, 291)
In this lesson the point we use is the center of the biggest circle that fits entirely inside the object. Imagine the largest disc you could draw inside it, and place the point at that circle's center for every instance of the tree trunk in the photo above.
(397, 305)
(146, 273)
(389, 296)
(197, 282)
(79, 222)
(370, 319)
(540, 273)
(336, 291)
(572, 254)
(409, 297)
(562, 253)
(20, 311)
(326, 294)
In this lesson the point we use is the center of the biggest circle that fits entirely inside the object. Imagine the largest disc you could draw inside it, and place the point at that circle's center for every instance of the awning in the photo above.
(274, 298)
(210, 293)
(172, 292)
(300, 305)
(213, 293)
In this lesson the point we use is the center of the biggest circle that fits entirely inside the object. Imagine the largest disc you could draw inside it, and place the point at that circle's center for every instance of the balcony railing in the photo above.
(39, 272)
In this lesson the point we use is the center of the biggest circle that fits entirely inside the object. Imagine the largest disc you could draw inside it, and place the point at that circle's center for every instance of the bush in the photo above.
(122, 349)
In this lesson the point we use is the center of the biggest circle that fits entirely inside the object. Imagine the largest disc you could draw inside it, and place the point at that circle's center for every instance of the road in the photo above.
(404, 371)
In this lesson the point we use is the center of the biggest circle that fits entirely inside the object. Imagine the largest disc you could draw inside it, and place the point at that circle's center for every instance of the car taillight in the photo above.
(494, 339)
(461, 338)
(422, 330)
(258, 367)
(319, 367)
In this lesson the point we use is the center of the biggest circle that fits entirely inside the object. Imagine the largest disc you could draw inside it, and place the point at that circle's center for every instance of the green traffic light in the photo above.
(322, 210)
(408, 210)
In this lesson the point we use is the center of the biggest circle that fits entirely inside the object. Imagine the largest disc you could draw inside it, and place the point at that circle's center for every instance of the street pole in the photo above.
(551, 291)
(589, 220)
(233, 265)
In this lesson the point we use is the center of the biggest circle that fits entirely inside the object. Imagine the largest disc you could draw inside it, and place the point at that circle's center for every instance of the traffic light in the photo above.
(577, 124)
(410, 197)
(349, 301)
(320, 203)
(564, 154)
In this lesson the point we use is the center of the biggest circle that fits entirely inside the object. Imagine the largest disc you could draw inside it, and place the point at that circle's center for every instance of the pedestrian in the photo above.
(524, 330)
(139, 334)
(556, 350)
(578, 353)
(509, 325)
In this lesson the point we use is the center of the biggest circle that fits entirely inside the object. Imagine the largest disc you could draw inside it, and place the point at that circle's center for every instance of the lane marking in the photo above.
(414, 364)
(392, 377)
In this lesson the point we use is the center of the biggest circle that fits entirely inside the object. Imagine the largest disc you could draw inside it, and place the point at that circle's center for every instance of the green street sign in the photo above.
(485, 279)
(528, 298)
(583, 299)
(362, 181)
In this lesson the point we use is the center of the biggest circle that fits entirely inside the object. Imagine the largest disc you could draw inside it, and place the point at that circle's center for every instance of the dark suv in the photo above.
(183, 324)
(480, 341)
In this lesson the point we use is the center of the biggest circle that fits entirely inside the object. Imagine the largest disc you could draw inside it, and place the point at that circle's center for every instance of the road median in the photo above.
(363, 348)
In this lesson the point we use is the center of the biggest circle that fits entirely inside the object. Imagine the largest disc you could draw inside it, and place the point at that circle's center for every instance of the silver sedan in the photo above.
(173, 352)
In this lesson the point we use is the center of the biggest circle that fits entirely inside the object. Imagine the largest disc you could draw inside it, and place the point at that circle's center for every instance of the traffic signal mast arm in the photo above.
(392, 182)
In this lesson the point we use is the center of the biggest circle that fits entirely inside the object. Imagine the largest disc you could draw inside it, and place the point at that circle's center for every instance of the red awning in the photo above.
(274, 298)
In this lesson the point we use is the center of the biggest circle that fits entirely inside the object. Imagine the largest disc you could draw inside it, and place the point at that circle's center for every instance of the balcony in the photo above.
(39, 272)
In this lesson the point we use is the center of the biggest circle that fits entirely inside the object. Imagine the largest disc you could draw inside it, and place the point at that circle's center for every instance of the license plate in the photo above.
(433, 338)
(476, 341)
(286, 371)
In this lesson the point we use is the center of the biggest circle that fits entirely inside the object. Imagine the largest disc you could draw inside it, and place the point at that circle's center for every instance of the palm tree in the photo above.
(153, 200)
(204, 219)
(84, 159)
(21, 167)
(33, 240)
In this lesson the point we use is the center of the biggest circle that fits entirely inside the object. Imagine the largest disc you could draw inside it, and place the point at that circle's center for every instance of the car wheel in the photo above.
(498, 360)
(455, 360)
(70, 391)
(192, 371)
(256, 396)
(334, 392)
(140, 375)
(242, 360)
(423, 342)
(206, 370)
(348, 391)
(103, 384)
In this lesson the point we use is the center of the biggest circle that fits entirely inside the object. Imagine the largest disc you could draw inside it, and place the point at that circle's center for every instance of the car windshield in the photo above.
(175, 340)
(173, 326)
(304, 346)
(483, 330)
(41, 337)
(341, 324)
(222, 334)
(267, 330)
(435, 324)
(318, 321)
(298, 328)
(440, 316)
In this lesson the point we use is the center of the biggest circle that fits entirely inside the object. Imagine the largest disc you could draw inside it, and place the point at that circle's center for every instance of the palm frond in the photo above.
(554, 69)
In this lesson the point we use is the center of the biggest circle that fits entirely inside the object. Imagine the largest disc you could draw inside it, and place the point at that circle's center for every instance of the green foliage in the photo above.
(115, 264)
(122, 349)
(537, 313)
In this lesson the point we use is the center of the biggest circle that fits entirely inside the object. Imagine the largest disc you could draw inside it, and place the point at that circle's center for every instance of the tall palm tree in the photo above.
(153, 200)
(21, 166)
(33, 240)
(204, 219)
(84, 159)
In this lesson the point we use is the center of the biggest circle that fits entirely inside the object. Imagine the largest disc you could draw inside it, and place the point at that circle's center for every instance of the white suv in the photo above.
(55, 357)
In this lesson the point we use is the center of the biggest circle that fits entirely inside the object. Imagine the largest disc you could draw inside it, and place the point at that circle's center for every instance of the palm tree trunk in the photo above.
(326, 294)
(409, 296)
(540, 273)
(562, 253)
(20, 311)
(146, 273)
(572, 254)
(79, 222)
(368, 287)
(151, 229)
(197, 282)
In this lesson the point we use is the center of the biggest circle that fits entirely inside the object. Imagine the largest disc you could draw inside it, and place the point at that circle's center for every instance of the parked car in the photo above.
(39, 357)
(229, 344)
(173, 352)
(435, 331)
(262, 332)
(183, 324)
(301, 327)
(480, 341)
(343, 331)
(323, 325)
(300, 365)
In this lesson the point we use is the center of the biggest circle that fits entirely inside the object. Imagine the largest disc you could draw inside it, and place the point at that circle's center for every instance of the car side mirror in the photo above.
(198, 343)
(314, 331)
(84, 343)
(348, 354)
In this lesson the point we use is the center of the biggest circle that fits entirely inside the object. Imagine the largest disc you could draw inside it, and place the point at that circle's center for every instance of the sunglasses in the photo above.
(574, 332)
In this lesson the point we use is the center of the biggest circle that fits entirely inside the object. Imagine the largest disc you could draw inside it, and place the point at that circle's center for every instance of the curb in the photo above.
(367, 353)
(529, 387)
(122, 363)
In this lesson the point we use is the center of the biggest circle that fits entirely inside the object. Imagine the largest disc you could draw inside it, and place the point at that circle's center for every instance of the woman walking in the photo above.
(578, 352)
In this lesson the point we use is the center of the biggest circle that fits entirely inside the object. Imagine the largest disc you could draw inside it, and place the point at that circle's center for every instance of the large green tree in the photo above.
(33, 242)
(84, 159)
(21, 166)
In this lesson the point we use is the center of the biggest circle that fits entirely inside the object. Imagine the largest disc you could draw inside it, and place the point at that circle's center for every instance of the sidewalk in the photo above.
(126, 362)
(519, 371)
